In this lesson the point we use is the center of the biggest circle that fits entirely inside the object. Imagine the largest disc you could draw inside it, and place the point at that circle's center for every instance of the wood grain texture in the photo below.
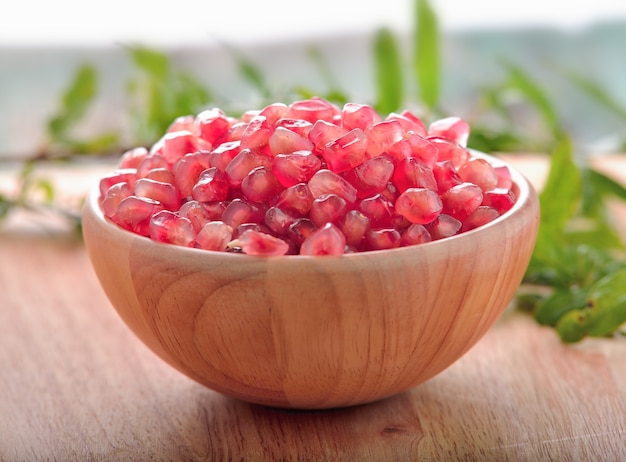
(77, 385)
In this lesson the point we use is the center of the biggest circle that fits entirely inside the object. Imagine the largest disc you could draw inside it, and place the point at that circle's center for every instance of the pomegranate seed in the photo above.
(243, 163)
(150, 162)
(221, 156)
(446, 176)
(214, 235)
(359, 116)
(132, 158)
(161, 174)
(113, 196)
(240, 211)
(297, 197)
(379, 210)
(257, 243)
(177, 144)
(273, 112)
(371, 177)
(504, 176)
(212, 186)
(419, 205)
(347, 151)
(312, 110)
(443, 226)
(382, 135)
(211, 126)
(133, 213)
(410, 122)
(169, 227)
(500, 199)
(449, 150)
(413, 173)
(327, 208)
(383, 238)
(323, 133)
(187, 171)
(461, 200)
(299, 230)
(325, 181)
(479, 217)
(196, 213)
(299, 126)
(260, 185)
(327, 240)
(415, 234)
(165, 193)
(184, 122)
(279, 220)
(294, 168)
(285, 141)
(354, 225)
(451, 128)
(480, 172)
(257, 133)
(125, 175)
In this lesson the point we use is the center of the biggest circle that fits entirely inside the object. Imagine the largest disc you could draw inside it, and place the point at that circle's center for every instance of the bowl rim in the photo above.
(523, 188)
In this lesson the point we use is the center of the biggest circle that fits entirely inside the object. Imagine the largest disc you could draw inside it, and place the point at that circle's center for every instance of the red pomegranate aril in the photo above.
(177, 144)
(260, 185)
(161, 174)
(354, 225)
(297, 198)
(312, 110)
(416, 146)
(187, 171)
(446, 176)
(504, 176)
(212, 186)
(261, 244)
(299, 126)
(347, 151)
(480, 172)
(285, 141)
(323, 133)
(273, 112)
(479, 217)
(500, 199)
(257, 133)
(371, 177)
(413, 173)
(461, 200)
(197, 214)
(382, 135)
(299, 230)
(124, 175)
(243, 163)
(134, 213)
(240, 211)
(419, 205)
(327, 208)
(132, 158)
(327, 240)
(382, 238)
(113, 196)
(409, 124)
(211, 126)
(390, 193)
(449, 150)
(279, 220)
(443, 226)
(379, 210)
(294, 168)
(150, 162)
(165, 193)
(221, 156)
(184, 122)
(451, 128)
(359, 116)
(419, 126)
(415, 234)
(214, 235)
(169, 227)
(325, 181)
(243, 227)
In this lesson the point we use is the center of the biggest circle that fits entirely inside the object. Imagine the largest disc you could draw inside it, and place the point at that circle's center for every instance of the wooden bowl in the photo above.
(314, 332)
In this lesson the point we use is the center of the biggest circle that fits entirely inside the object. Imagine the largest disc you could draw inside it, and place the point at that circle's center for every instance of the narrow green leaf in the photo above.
(155, 63)
(597, 93)
(550, 310)
(388, 70)
(426, 53)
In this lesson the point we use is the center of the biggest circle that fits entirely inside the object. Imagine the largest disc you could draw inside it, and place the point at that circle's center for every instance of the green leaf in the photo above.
(426, 53)
(597, 93)
(253, 74)
(155, 63)
(550, 309)
(388, 70)
(74, 103)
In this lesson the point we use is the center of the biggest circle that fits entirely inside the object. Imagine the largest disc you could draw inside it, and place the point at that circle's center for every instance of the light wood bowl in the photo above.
(314, 332)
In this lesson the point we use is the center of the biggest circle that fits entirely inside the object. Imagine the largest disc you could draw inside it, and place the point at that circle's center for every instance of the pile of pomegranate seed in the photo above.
(308, 178)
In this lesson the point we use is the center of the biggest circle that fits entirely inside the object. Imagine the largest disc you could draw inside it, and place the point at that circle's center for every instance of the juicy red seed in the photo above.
(297, 198)
(327, 208)
(197, 214)
(165, 193)
(260, 185)
(505, 181)
(177, 144)
(285, 141)
(273, 112)
(500, 199)
(452, 128)
(416, 146)
(323, 133)
(461, 200)
(325, 181)
(294, 168)
(480, 172)
(169, 227)
(235, 132)
(299, 230)
(243, 163)
(257, 243)
(133, 213)
(257, 133)
(243, 227)
(125, 175)
(327, 240)
(221, 156)
(479, 217)
(240, 211)
(359, 116)
(410, 122)
(383, 238)
(187, 171)
(443, 226)
(449, 150)
(347, 151)
(419, 205)
(214, 235)
(354, 225)
(184, 122)
(382, 135)
(132, 158)
(212, 186)
(379, 210)
(211, 126)
(150, 162)
(371, 177)
(413, 173)
(114, 195)
(299, 126)
(279, 220)
(415, 234)
(446, 176)
(312, 110)
(161, 174)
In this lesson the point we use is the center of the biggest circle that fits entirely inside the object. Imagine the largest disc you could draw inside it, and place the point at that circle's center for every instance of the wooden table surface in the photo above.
(76, 385)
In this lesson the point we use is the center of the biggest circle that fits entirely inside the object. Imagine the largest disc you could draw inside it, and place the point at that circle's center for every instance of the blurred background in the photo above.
(242, 53)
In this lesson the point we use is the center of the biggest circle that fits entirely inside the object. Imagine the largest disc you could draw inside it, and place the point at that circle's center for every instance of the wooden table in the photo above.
(76, 385)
